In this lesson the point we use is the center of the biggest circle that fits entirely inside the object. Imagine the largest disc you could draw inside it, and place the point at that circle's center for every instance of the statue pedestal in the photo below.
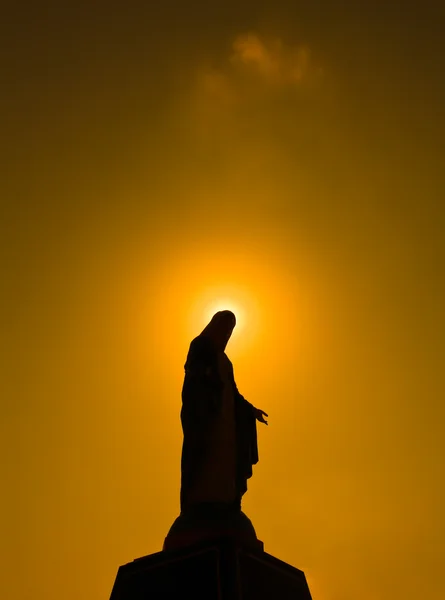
(212, 521)
(218, 569)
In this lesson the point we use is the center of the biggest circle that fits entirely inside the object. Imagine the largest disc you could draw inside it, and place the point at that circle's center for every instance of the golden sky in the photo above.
(164, 161)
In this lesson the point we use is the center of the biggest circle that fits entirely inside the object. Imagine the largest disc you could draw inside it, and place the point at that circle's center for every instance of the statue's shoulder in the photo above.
(200, 352)
(200, 345)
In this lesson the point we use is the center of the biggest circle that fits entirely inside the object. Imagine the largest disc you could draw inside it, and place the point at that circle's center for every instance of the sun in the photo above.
(217, 305)
(228, 297)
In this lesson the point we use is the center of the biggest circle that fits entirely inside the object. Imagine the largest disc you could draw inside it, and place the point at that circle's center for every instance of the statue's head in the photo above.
(220, 328)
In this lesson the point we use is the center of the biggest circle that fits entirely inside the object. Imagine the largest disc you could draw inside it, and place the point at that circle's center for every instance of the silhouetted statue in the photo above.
(219, 425)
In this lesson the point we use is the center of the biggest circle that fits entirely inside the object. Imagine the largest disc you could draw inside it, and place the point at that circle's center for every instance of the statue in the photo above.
(220, 437)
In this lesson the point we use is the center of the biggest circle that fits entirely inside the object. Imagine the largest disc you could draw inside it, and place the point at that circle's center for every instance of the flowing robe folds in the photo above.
(219, 426)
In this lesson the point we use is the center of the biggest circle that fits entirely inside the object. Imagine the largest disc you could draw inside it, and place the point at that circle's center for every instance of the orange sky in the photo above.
(286, 162)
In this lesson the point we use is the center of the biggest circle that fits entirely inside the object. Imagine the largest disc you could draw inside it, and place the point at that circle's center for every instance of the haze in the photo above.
(283, 159)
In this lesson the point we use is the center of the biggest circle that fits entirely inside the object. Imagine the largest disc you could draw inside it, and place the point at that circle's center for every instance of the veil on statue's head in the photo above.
(220, 329)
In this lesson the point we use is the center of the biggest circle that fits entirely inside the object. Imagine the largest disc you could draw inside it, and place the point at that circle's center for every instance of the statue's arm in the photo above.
(240, 396)
(256, 412)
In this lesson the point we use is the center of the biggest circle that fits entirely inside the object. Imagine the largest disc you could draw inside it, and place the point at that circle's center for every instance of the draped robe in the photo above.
(219, 426)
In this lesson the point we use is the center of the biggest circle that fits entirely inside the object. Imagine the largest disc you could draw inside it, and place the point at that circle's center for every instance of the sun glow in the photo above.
(252, 285)
(225, 304)
(224, 298)
(243, 307)
(233, 296)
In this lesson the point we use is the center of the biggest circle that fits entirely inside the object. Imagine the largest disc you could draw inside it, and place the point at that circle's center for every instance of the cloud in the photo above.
(238, 105)
(254, 68)
(271, 59)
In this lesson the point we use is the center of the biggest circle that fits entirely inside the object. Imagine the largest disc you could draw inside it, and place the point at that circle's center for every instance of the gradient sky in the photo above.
(283, 159)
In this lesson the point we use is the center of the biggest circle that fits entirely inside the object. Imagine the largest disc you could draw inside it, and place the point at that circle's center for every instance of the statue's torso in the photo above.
(216, 480)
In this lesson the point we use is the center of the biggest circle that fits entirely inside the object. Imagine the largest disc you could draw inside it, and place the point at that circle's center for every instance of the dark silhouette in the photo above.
(219, 424)
(212, 550)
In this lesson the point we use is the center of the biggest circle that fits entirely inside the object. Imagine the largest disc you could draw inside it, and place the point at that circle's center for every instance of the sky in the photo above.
(166, 159)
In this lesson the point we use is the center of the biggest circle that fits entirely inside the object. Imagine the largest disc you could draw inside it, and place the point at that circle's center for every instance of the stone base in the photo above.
(213, 570)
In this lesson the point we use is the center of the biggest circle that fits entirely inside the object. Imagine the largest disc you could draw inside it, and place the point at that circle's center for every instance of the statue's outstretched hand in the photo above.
(259, 415)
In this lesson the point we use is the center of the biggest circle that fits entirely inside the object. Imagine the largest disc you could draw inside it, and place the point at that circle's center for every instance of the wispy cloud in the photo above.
(255, 63)
(255, 69)
(271, 59)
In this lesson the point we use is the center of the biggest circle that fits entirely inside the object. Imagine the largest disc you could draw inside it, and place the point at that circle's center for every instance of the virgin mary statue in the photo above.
(219, 424)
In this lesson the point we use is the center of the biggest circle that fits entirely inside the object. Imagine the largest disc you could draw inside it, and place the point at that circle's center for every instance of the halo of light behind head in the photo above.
(215, 306)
